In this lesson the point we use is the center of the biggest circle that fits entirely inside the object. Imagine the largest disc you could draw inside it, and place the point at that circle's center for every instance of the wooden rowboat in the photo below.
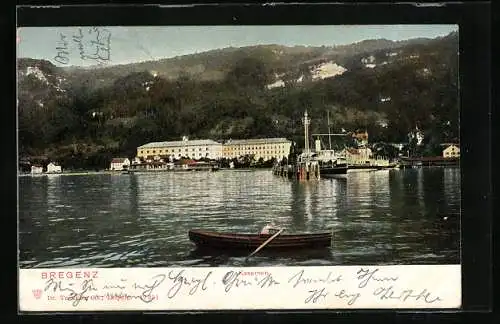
(233, 241)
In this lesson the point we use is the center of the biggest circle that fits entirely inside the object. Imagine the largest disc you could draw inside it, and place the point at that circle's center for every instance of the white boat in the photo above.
(330, 161)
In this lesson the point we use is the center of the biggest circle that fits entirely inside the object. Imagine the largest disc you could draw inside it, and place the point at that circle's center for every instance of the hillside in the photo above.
(214, 64)
(84, 116)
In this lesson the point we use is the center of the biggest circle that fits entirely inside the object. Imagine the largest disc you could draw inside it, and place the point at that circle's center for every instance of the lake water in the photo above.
(141, 220)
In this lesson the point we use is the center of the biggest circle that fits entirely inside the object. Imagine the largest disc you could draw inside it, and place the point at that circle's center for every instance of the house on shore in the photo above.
(358, 156)
(119, 164)
(53, 168)
(451, 151)
(24, 166)
(361, 138)
(36, 169)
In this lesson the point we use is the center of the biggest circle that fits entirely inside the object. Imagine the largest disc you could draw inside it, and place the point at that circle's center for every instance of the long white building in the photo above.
(193, 149)
(266, 148)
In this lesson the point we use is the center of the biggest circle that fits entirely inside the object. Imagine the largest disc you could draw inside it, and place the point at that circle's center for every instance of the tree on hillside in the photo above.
(250, 72)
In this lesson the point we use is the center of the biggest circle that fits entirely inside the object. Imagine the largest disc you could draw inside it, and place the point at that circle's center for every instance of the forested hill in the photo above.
(82, 117)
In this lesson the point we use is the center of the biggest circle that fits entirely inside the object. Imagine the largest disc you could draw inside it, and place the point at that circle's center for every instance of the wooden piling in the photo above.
(301, 171)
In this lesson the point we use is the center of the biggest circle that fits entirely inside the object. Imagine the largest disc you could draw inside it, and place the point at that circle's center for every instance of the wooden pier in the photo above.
(300, 171)
(306, 168)
(407, 162)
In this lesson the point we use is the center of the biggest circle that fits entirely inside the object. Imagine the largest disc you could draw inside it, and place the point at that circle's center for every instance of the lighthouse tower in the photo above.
(307, 121)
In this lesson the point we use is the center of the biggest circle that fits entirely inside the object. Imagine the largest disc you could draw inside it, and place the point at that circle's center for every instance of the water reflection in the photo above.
(451, 176)
(390, 216)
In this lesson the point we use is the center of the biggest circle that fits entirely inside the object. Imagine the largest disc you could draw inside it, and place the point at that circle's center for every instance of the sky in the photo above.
(134, 44)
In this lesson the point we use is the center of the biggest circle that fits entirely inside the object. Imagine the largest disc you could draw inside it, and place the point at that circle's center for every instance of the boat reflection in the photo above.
(218, 254)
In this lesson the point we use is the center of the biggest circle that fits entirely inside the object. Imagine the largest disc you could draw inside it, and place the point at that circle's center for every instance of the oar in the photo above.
(265, 243)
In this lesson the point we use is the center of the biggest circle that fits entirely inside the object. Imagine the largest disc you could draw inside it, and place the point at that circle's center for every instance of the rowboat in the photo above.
(234, 241)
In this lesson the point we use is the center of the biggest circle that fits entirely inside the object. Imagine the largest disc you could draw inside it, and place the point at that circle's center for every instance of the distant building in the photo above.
(193, 149)
(417, 135)
(266, 148)
(357, 156)
(361, 138)
(368, 60)
(53, 168)
(24, 165)
(36, 169)
(451, 151)
(119, 164)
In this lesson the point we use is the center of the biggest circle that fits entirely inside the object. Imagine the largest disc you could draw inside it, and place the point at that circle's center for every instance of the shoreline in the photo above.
(128, 172)
(124, 172)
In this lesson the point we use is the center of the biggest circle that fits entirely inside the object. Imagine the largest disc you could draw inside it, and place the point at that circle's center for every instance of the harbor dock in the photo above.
(307, 166)
(413, 162)
(301, 171)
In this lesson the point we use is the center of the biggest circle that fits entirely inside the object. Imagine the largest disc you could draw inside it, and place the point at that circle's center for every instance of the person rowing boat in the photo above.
(269, 229)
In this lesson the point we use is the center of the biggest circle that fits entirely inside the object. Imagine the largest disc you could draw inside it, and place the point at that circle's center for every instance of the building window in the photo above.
(147, 151)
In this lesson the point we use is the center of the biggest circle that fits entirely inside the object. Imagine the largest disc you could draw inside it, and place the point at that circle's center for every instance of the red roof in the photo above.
(360, 135)
(188, 162)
